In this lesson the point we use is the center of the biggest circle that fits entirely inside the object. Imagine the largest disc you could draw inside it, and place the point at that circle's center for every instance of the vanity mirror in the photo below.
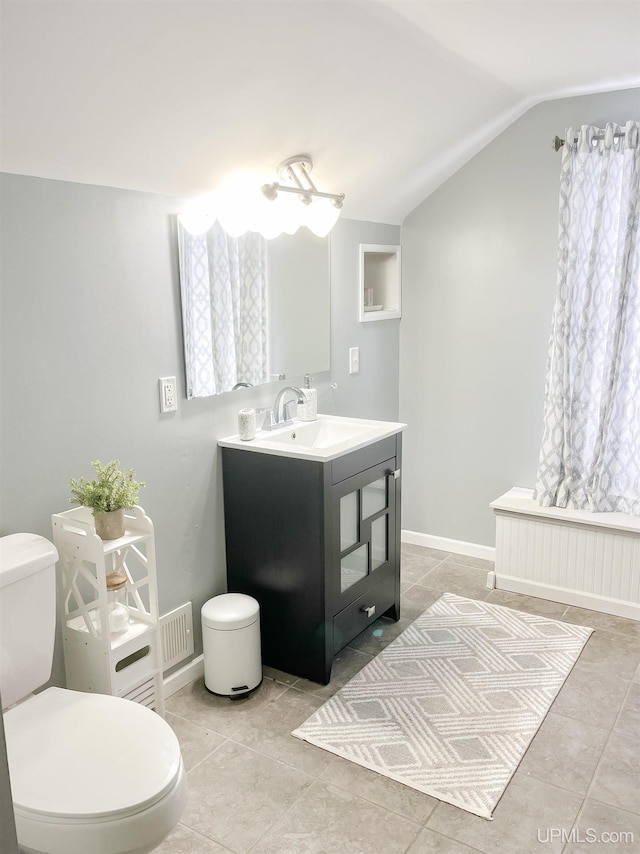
(253, 310)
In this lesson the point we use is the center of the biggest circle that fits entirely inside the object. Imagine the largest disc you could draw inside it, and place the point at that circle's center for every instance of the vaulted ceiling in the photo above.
(389, 98)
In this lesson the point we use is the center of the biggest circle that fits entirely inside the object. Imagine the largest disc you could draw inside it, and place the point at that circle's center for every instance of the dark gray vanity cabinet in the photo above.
(317, 544)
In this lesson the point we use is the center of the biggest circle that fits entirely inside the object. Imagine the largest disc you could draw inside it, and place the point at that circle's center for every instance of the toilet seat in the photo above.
(99, 767)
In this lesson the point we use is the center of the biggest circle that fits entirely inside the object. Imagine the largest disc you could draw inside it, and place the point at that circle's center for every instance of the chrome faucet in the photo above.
(280, 415)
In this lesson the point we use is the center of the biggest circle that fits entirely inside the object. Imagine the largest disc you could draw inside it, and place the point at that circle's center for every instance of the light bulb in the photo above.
(233, 220)
(289, 211)
(244, 207)
(265, 215)
(199, 214)
(268, 228)
(320, 216)
(232, 213)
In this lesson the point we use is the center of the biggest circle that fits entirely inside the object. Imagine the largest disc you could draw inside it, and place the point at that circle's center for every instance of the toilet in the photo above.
(90, 773)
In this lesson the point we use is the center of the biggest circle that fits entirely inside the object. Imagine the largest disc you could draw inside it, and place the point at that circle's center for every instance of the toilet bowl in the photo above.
(92, 774)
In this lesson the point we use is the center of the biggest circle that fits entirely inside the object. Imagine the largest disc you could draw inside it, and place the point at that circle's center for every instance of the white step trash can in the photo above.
(231, 644)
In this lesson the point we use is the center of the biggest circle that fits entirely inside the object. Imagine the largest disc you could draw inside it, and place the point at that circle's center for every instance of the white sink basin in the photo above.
(328, 437)
(322, 433)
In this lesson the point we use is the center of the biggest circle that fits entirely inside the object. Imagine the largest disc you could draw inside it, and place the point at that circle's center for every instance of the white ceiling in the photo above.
(388, 97)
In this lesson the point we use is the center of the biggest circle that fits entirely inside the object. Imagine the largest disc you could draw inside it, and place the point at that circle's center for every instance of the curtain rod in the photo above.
(557, 143)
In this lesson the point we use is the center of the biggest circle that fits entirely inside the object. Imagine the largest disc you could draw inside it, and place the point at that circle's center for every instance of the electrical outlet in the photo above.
(168, 395)
(354, 360)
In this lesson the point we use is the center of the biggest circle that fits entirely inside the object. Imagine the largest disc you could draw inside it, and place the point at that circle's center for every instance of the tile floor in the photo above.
(255, 788)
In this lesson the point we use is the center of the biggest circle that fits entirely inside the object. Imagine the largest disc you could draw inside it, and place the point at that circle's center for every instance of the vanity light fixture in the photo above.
(244, 204)
(321, 210)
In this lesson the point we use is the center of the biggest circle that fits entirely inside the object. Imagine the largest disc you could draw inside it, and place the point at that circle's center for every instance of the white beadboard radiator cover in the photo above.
(591, 560)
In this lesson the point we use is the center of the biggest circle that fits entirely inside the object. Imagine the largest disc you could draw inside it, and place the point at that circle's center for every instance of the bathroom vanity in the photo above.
(312, 524)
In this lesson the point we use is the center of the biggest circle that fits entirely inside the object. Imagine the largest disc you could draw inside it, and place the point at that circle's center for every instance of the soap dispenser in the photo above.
(308, 411)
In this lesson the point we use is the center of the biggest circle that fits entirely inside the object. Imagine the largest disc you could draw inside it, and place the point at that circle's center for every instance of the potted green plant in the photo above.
(111, 493)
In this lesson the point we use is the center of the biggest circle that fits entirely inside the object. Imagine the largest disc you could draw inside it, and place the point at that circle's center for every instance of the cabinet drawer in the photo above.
(354, 618)
(364, 458)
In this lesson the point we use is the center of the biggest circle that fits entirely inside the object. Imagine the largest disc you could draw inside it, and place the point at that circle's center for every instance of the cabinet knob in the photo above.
(370, 611)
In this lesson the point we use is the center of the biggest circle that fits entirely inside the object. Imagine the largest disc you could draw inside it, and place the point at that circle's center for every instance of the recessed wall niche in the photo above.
(379, 290)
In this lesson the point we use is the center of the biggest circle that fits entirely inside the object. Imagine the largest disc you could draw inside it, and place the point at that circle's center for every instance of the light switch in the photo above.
(354, 360)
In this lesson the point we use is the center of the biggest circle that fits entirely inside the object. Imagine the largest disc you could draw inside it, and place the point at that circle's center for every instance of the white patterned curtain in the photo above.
(223, 282)
(590, 456)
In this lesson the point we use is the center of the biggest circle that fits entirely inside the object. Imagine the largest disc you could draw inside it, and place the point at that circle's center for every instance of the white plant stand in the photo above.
(126, 664)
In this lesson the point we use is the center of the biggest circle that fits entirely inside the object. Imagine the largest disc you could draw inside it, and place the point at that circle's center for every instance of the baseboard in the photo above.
(444, 544)
(577, 598)
(191, 671)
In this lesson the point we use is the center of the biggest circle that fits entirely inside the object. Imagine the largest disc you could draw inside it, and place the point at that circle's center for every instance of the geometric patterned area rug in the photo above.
(451, 705)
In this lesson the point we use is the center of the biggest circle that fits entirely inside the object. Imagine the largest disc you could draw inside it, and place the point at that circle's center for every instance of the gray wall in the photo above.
(90, 318)
(479, 279)
(373, 392)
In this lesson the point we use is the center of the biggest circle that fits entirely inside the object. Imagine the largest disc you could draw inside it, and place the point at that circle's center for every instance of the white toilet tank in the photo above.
(27, 614)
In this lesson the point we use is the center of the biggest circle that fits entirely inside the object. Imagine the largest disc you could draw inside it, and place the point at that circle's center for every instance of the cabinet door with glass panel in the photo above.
(367, 503)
